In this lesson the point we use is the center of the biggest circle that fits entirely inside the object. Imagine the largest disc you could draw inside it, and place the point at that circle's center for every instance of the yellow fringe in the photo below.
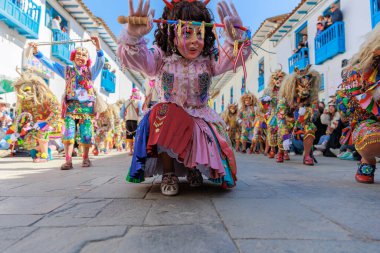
(203, 30)
(179, 28)
(236, 48)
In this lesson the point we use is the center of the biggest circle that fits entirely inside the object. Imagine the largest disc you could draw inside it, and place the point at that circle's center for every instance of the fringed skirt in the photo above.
(191, 142)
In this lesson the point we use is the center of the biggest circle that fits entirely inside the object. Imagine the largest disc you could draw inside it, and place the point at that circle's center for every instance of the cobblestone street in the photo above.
(274, 208)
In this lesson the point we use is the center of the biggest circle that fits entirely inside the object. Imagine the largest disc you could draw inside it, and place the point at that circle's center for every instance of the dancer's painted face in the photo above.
(81, 57)
(191, 44)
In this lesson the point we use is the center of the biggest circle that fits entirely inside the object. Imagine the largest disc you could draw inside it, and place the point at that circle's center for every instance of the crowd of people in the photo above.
(289, 119)
(334, 15)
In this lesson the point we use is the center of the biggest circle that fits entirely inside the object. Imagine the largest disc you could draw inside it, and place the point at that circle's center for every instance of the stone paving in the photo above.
(274, 208)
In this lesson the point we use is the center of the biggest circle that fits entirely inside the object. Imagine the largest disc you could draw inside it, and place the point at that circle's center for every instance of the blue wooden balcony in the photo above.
(330, 43)
(21, 15)
(261, 83)
(108, 81)
(299, 59)
(62, 51)
(375, 13)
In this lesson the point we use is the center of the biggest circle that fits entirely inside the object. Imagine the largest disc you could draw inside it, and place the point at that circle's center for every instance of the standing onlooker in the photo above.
(56, 23)
(305, 41)
(321, 128)
(328, 20)
(336, 13)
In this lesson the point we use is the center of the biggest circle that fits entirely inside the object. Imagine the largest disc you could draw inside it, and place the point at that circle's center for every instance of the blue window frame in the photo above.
(51, 13)
(375, 12)
(243, 86)
(231, 95)
(302, 30)
(222, 106)
(261, 75)
(322, 88)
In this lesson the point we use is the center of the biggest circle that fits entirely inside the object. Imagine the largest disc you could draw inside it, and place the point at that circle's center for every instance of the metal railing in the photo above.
(330, 43)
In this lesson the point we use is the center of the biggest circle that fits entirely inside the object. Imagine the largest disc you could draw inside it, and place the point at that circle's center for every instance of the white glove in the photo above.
(239, 121)
(286, 144)
(302, 111)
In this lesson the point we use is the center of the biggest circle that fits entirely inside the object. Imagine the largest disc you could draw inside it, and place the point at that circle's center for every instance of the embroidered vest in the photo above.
(72, 85)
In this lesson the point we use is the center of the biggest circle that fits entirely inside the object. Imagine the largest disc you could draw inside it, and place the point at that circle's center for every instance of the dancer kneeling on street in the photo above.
(182, 135)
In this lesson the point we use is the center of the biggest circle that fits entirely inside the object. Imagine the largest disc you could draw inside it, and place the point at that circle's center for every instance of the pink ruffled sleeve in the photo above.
(226, 63)
(134, 54)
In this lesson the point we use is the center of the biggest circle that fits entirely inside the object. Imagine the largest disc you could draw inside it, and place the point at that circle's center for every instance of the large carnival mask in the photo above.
(232, 108)
(26, 91)
(80, 57)
(304, 82)
(277, 78)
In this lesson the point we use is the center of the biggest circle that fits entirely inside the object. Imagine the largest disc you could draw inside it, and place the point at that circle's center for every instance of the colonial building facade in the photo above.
(277, 38)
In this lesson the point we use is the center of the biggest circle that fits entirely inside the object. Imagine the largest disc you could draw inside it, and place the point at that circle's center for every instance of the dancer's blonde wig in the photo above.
(364, 59)
(291, 84)
(31, 87)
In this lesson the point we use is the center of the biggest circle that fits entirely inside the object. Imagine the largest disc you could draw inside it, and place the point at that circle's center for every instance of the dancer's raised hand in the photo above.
(34, 46)
(143, 10)
(230, 18)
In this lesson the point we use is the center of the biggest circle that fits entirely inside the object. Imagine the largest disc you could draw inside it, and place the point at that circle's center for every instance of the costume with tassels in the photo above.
(247, 117)
(231, 118)
(38, 116)
(104, 127)
(260, 125)
(296, 111)
(80, 102)
(272, 92)
(182, 125)
(358, 101)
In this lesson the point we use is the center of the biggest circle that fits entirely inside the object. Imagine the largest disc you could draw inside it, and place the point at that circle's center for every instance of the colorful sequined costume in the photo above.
(104, 129)
(181, 125)
(272, 92)
(78, 107)
(362, 112)
(260, 124)
(296, 110)
(38, 115)
(247, 118)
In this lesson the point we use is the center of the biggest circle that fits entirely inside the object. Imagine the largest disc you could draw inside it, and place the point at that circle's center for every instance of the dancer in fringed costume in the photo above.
(118, 128)
(231, 118)
(297, 110)
(260, 126)
(358, 101)
(272, 91)
(246, 119)
(181, 135)
(130, 112)
(104, 125)
(38, 116)
(80, 102)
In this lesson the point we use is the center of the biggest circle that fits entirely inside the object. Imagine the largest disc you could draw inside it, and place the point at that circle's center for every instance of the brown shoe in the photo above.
(86, 163)
(68, 165)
